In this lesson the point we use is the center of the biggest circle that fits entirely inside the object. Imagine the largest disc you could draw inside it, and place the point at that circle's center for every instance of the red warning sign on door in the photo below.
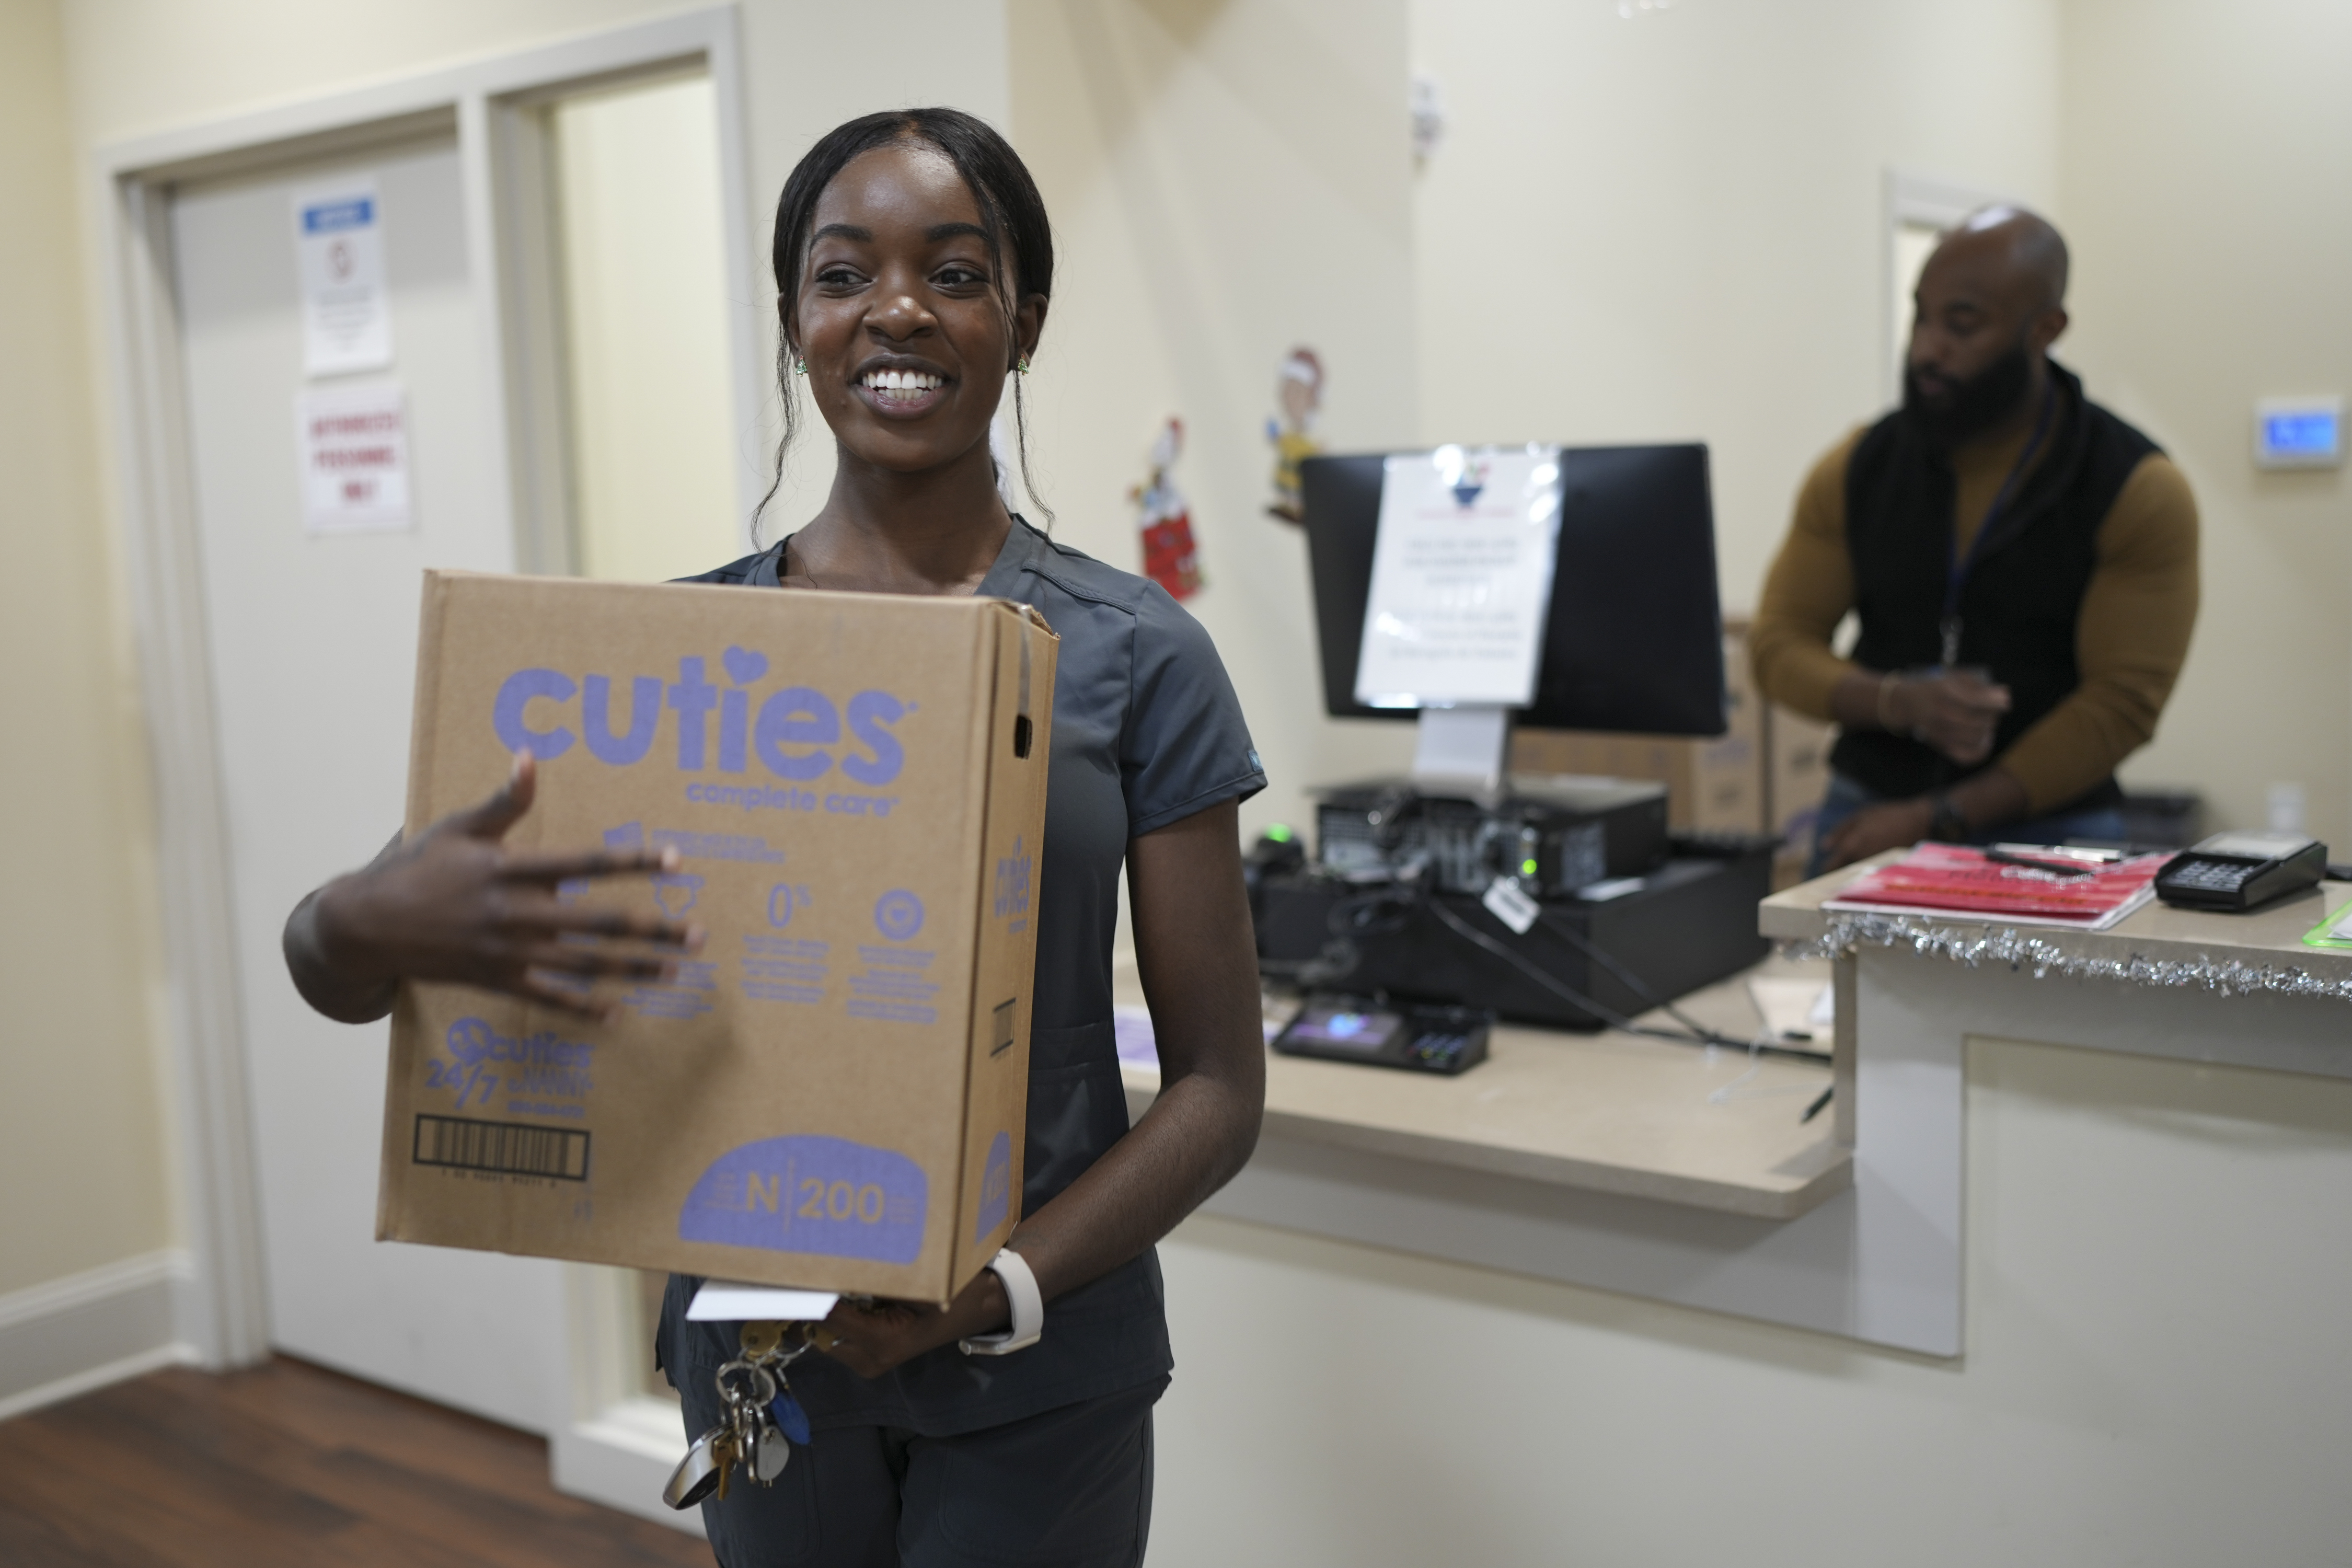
(354, 442)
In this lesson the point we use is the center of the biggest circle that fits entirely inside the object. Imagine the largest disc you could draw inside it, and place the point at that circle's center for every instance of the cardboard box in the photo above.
(1712, 786)
(832, 1093)
(1798, 772)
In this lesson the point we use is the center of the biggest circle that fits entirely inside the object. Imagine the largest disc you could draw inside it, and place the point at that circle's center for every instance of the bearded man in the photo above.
(2023, 565)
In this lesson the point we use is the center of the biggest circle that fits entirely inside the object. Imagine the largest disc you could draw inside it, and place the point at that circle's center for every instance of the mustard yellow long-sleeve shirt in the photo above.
(2129, 640)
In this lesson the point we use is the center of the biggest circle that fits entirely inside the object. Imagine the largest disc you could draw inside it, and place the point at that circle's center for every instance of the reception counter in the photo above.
(2061, 1281)
(1658, 1169)
(1606, 1113)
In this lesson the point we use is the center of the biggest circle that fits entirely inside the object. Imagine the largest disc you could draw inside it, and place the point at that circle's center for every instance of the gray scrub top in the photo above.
(1146, 731)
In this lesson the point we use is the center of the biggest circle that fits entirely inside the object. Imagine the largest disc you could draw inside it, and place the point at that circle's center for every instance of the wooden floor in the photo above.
(292, 1465)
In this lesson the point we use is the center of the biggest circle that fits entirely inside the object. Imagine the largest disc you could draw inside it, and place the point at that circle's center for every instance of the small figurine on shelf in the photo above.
(1170, 558)
(1299, 389)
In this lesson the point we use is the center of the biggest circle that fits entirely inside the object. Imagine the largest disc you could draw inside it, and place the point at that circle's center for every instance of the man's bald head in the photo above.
(2024, 244)
(1990, 301)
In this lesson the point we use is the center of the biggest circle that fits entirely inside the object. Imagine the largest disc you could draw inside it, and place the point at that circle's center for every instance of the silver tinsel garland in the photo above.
(1978, 946)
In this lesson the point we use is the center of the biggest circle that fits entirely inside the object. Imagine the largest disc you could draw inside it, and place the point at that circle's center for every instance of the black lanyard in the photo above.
(1956, 577)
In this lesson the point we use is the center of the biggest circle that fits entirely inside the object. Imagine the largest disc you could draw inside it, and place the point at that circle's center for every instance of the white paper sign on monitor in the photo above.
(1462, 573)
(354, 448)
(339, 244)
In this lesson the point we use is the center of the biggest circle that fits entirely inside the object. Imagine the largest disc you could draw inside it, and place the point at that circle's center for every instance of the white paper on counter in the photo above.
(1802, 1008)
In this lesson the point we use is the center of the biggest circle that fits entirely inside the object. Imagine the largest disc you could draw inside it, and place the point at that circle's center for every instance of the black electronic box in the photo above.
(1550, 836)
(1689, 923)
(2239, 871)
(1383, 1033)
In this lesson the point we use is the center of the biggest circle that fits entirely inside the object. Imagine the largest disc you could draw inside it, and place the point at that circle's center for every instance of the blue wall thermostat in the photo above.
(2298, 432)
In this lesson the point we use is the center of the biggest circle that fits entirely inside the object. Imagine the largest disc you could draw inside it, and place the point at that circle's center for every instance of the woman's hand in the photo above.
(1197, 951)
(453, 904)
(870, 1337)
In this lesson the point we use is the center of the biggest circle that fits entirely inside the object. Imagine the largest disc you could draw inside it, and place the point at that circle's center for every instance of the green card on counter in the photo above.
(2336, 931)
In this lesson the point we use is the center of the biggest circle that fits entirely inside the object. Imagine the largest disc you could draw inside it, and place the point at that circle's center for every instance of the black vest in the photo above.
(2020, 605)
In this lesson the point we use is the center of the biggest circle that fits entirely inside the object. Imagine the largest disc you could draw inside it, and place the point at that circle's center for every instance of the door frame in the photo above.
(220, 1311)
(1906, 199)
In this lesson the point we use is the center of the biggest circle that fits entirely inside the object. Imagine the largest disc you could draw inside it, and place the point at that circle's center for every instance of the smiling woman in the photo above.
(914, 262)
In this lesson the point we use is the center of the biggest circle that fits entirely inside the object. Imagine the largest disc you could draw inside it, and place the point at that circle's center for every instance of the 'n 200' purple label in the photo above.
(811, 1194)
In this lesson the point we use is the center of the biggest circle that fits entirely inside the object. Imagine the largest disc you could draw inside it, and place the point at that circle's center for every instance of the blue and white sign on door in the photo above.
(339, 241)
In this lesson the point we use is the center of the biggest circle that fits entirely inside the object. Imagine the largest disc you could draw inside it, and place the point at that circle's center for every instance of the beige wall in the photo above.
(138, 66)
(1226, 181)
(2207, 154)
(1670, 226)
(83, 1153)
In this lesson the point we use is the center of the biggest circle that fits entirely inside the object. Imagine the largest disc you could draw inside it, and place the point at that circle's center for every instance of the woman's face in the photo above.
(899, 314)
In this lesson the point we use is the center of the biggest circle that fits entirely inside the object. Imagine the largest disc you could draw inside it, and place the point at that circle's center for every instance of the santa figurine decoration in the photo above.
(1170, 558)
(1300, 392)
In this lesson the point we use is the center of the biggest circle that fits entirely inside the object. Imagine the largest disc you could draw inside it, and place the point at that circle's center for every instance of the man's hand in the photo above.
(1955, 712)
(870, 1337)
(1889, 825)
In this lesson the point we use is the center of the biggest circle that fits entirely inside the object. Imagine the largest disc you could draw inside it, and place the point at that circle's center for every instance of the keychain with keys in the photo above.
(762, 1422)
(774, 1347)
(767, 1344)
(749, 1389)
(703, 1470)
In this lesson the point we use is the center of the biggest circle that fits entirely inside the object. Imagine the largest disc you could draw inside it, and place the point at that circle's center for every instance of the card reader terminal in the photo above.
(2238, 871)
(1418, 1038)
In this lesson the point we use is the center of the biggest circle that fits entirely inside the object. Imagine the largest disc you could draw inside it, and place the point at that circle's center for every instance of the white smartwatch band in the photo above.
(1028, 1308)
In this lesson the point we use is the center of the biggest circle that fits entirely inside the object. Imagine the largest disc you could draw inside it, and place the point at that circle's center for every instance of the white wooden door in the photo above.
(312, 642)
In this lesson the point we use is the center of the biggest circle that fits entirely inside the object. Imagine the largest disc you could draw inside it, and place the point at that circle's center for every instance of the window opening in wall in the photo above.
(639, 241)
(1913, 240)
(643, 426)
(1919, 212)
(645, 1320)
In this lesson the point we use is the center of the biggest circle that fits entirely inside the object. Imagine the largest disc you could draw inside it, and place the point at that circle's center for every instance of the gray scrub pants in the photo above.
(1070, 1487)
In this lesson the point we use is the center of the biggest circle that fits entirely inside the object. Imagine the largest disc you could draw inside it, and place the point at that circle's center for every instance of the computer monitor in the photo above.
(1633, 640)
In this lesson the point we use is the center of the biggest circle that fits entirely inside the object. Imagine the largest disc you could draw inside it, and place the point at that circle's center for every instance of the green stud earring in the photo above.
(1021, 365)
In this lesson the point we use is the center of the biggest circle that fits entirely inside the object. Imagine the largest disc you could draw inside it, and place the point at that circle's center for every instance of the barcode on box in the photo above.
(511, 1148)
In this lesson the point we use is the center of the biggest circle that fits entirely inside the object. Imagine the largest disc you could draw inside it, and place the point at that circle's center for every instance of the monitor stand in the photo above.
(1461, 751)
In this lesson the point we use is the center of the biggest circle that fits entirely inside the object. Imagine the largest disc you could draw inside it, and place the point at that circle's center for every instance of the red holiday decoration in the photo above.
(1170, 556)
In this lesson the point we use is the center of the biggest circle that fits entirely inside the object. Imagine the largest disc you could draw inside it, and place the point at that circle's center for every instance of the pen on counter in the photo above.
(1818, 1106)
(2055, 867)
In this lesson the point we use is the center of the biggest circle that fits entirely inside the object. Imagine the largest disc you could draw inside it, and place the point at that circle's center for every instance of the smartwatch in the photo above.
(1028, 1310)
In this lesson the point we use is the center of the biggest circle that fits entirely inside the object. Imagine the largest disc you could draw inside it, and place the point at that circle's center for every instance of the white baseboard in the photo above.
(622, 1459)
(69, 1336)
